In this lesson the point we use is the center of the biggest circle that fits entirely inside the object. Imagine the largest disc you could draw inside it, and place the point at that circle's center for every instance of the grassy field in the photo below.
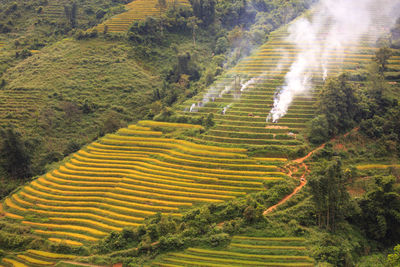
(67, 91)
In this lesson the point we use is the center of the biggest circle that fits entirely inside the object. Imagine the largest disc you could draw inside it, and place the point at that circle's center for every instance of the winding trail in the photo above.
(303, 180)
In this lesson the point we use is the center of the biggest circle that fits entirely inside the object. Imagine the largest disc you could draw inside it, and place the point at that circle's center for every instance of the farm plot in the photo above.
(243, 251)
(241, 107)
(36, 258)
(126, 177)
(136, 10)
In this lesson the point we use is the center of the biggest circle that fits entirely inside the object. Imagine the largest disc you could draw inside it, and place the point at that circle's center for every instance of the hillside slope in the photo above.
(157, 168)
(65, 93)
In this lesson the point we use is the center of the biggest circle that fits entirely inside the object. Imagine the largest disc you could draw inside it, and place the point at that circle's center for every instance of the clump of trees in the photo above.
(15, 159)
(338, 110)
(380, 211)
(197, 226)
(329, 194)
(342, 106)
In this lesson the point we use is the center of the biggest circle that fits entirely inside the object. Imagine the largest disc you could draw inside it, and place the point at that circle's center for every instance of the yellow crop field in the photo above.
(135, 10)
(35, 261)
(244, 253)
(72, 215)
(51, 235)
(14, 263)
(168, 197)
(66, 241)
(377, 166)
(11, 204)
(106, 213)
(50, 255)
(153, 124)
(66, 226)
(96, 224)
(128, 131)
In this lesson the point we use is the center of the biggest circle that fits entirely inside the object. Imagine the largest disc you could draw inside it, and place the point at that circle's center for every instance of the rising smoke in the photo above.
(334, 27)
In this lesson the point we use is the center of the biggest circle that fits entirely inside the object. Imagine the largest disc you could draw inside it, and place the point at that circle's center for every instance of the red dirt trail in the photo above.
(303, 180)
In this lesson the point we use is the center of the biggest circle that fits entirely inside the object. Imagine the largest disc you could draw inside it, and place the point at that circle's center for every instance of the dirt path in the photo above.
(303, 180)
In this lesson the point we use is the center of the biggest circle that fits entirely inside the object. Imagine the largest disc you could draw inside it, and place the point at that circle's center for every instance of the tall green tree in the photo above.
(330, 197)
(14, 157)
(382, 57)
(204, 10)
(193, 23)
(380, 217)
(71, 14)
(339, 104)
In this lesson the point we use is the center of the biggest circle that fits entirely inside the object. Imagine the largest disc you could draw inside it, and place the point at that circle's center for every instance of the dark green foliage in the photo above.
(380, 209)
(72, 147)
(221, 45)
(23, 54)
(196, 227)
(381, 58)
(209, 121)
(14, 156)
(71, 13)
(385, 129)
(394, 258)
(319, 131)
(339, 104)
(8, 185)
(339, 249)
(329, 194)
(111, 124)
(146, 31)
(83, 35)
(17, 237)
(204, 10)
(395, 38)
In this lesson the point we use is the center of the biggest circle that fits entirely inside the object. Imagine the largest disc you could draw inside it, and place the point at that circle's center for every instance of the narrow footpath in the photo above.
(303, 178)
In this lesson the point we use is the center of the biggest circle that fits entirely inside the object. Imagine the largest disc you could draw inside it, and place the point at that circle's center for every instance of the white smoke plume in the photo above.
(334, 27)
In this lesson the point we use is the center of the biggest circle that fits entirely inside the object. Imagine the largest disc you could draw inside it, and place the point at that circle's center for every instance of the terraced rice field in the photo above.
(35, 258)
(241, 112)
(136, 10)
(243, 251)
(126, 177)
(54, 10)
(16, 106)
(377, 166)
(123, 178)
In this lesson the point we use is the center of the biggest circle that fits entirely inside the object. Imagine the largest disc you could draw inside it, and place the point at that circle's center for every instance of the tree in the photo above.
(14, 157)
(162, 5)
(339, 103)
(193, 24)
(394, 259)
(221, 45)
(204, 10)
(380, 211)
(209, 121)
(329, 194)
(71, 14)
(381, 57)
(319, 131)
